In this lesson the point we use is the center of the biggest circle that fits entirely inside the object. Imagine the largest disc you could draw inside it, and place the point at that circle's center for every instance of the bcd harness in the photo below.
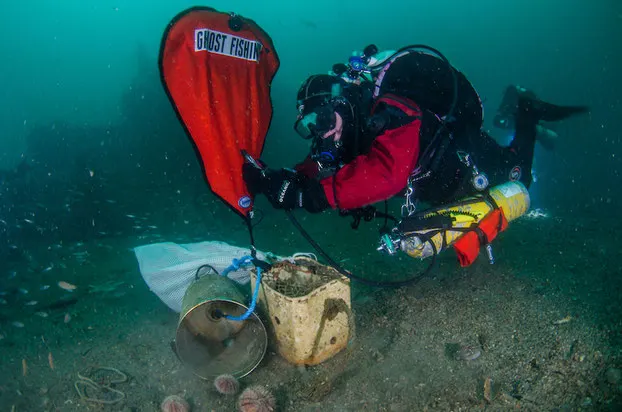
(480, 233)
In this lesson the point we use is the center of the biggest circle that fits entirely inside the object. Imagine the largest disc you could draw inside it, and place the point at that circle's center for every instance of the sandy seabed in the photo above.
(545, 316)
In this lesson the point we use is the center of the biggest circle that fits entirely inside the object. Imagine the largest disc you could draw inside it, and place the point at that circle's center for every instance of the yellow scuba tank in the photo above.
(431, 231)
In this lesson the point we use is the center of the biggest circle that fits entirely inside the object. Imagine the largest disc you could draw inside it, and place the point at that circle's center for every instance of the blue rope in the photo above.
(235, 265)
(251, 308)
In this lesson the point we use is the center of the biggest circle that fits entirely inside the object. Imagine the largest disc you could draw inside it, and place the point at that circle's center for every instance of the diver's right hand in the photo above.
(254, 178)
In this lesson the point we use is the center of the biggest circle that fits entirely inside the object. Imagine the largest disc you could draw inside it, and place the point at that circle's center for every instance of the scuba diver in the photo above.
(410, 123)
(402, 122)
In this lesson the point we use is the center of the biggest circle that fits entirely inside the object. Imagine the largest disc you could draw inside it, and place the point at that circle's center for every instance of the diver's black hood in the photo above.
(320, 89)
(317, 90)
(357, 139)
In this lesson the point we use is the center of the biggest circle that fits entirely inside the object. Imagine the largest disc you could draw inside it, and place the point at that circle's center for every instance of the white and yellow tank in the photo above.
(511, 197)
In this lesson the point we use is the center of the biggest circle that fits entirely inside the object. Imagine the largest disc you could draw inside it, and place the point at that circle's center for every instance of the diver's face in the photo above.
(316, 122)
(326, 147)
(327, 125)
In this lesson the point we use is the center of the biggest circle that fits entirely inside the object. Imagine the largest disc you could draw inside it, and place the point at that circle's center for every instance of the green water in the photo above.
(94, 162)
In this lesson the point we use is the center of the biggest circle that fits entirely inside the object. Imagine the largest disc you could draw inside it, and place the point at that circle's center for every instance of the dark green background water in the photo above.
(93, 163)
(81, 96)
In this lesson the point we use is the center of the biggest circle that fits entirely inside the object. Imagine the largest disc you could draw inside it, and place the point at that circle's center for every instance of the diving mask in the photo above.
(327, 146)
(321, 120)
(325, 127)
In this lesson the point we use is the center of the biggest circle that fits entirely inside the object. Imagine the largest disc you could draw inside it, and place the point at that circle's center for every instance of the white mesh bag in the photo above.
(169, 268)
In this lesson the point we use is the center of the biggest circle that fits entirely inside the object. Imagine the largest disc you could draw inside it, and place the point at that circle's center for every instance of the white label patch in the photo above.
(226, 44)
(509, 190)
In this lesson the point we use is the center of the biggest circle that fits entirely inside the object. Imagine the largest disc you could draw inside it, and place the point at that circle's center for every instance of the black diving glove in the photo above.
(287, 189)
(254, 178)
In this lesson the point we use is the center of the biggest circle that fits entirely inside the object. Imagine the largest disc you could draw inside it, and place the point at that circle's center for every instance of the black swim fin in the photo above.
(547, 112)
(547, 137)
(520, 100)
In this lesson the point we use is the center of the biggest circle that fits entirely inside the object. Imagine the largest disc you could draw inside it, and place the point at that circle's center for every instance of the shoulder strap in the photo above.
(409, 107)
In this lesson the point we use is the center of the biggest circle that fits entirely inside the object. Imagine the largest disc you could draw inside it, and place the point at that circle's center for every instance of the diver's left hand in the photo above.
(254, 179)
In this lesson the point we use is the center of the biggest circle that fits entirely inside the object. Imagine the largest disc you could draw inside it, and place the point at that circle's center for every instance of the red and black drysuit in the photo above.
(418, 90)
(380, 173)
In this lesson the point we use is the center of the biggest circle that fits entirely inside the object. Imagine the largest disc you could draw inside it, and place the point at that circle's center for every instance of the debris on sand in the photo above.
(563, 320)
(488, 396)
(468, 353)
(96, 385)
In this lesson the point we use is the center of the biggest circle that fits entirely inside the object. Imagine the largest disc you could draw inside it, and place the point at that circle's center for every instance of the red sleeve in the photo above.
(378, 175)
(307, 167)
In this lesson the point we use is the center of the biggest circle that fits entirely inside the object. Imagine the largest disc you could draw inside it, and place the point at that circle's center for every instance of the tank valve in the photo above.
(491, 258)
(388, 244)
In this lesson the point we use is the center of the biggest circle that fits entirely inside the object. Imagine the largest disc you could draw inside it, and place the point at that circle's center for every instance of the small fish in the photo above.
(111, 201)
(51, 360)
(12, 274)
(131, 216)
(44, 287)
(23, 291)
(152, 227)
(31, 303)
(24, 367)
(67, 318)
(42, 314)
(29, 221)
(308, 23)
(66, 285)
(17, 324)
(47, 269)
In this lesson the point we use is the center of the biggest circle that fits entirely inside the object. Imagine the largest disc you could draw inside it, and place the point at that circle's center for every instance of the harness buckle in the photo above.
(408, 207)
(480, 180)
